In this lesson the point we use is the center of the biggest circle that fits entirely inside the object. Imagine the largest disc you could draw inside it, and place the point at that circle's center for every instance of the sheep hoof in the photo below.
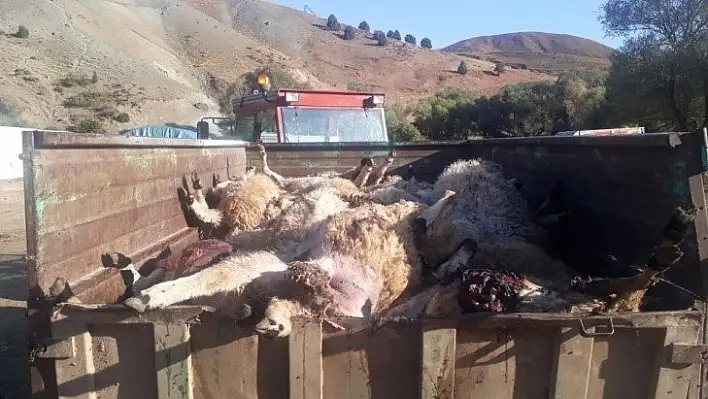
(196, 181)
(184, 197)
(115, 259)
(138, 303)
(215, 180)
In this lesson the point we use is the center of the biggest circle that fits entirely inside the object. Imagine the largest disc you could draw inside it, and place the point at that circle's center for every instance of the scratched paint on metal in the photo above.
(129, 156)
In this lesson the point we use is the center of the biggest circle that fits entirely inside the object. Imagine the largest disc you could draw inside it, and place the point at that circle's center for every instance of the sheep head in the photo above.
(436, 237)
(276, 320)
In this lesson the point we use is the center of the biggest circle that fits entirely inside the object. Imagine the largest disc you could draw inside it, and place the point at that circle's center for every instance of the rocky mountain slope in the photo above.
(124, 63)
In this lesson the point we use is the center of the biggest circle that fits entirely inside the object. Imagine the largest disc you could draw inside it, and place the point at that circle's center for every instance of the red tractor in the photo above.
(305, 116)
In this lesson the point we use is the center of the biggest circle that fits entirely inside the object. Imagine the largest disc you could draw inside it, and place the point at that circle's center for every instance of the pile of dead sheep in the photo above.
(365, 244)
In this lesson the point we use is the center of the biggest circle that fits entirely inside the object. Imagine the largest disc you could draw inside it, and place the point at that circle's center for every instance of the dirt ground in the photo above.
(13, 292)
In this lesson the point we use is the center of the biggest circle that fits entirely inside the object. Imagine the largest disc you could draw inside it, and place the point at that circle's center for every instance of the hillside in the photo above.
(546, 52)
(158, 61)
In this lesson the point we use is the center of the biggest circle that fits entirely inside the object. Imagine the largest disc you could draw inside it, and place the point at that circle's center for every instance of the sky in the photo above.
(448, 21)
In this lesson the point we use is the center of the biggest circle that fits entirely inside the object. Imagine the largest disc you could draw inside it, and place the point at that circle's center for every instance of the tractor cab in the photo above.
(308, 116)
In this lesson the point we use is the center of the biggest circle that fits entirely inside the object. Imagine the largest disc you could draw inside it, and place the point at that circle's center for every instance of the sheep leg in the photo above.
(378, 173)
(363, 176)
(197, 186)
(211, 286)
(266, 170)
(665, 255)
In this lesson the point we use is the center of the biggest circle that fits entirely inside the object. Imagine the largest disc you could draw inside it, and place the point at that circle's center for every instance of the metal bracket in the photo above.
(55, 348)
(688, 354)
(704, 152)
(585, 332)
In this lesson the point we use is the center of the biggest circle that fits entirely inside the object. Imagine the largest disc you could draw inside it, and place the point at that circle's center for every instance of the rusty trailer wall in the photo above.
(650, 355)
(91, 194)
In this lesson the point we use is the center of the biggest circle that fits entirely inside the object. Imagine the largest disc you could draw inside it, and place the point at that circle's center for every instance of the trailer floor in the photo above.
(13, 292)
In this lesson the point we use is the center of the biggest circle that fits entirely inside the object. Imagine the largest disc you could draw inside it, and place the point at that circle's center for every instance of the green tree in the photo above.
(390, 34)
(363, 25)
(410, 39)
(396, 35)
(22, 32)
(426, 43)
(349, 33)
(667, 40)
(462, 68)
(333, 23)
(499, 68)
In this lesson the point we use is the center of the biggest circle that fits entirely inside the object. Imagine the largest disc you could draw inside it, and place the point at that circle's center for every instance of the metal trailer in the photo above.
(89, 194)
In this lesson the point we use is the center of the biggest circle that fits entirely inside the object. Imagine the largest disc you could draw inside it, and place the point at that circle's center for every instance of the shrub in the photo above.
(499, 68)
(390, 34)
(404, 132)
(333, 23)
(363, 25)
(462, 68)
(85, 99)
(22, 32)
(75, 80)
(410, 39)
(382, 40)
(89, 125)
(426, 43)
(396, 35)
(123, 117)
(349, 33)
(357, 86)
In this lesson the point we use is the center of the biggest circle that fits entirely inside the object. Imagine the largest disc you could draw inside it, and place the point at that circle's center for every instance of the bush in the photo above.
(22, 32)
(378, 34)
(404, 132)
(499, 68)
(88, 126)
(426, 43)
(356, 86)
(333, 23)
(410, 39)
(76, 80)
(363, 25)
(396, 35)
(349, 33)
(382, 40)
(462, 68)
(123, 117)
(390, 34)
(85, 99)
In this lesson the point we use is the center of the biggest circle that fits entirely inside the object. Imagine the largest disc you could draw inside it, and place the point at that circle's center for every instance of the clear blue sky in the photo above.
(448, 21)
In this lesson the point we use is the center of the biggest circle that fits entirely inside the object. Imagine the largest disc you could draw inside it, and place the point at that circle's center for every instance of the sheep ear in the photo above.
(433, 212)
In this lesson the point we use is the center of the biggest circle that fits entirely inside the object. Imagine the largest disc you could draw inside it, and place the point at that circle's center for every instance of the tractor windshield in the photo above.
(326, 125)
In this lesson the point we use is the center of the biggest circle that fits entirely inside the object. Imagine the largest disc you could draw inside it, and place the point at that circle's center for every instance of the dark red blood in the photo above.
(200, 255)
(485, 290)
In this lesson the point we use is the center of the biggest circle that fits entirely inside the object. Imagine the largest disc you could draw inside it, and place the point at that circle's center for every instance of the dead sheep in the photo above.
(374, 244)
(310, 183)
(166, 266)
(241, 208)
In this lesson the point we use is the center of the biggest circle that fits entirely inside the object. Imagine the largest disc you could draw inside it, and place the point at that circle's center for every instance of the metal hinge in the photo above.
(52, 348)
(688, 353)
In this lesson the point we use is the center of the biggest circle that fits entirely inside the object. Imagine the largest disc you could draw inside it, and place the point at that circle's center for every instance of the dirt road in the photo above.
(13, 292)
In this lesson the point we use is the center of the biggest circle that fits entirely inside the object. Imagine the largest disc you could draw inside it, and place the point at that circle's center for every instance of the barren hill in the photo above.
(548, 52)
(157, 61)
